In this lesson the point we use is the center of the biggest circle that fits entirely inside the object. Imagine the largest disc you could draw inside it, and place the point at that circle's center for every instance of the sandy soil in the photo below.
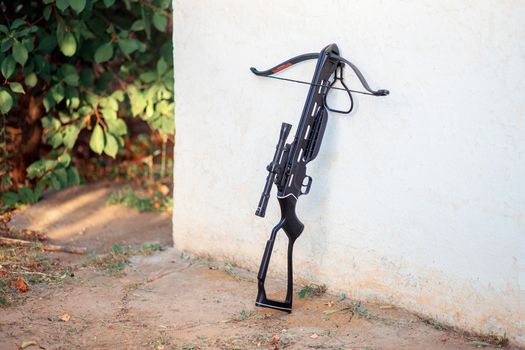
(170, 300)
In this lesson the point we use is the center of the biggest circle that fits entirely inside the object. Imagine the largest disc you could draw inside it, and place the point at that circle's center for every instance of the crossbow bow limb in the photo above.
(315, 56)
(288, 167)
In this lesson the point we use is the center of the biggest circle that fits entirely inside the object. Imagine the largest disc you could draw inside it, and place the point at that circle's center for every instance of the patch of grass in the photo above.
(436, 324)
(162, 342)
(475, 339)
(242, 316)
(153, 200)
(311, 290)
(228, 268)
(190, 346)
(113, 262)
(117, 260)
(360, 310)
(31, 265)
(152, 247)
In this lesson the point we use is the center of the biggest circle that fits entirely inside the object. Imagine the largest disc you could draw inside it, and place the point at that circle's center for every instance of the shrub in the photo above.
(75, 74)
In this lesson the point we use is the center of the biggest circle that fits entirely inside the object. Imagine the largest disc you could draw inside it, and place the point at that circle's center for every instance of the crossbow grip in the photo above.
(293, 229)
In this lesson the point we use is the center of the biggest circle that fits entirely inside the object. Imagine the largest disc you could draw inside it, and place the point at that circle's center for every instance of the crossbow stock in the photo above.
(288, 167)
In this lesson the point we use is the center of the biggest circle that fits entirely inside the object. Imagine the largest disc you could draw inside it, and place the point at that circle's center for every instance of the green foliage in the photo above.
(94, 64)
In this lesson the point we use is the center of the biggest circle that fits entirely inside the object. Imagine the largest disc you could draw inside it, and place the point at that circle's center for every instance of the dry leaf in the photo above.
(65, 317)
(275, 340)
(386, 307)
(329, 304)
(21, 285)
(314, 336)
(27, 343)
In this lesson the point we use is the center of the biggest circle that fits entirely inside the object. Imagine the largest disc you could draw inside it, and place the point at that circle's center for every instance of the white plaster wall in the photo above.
(418, 199)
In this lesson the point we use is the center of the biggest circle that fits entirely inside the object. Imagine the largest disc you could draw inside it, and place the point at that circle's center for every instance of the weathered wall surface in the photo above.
(418, 199)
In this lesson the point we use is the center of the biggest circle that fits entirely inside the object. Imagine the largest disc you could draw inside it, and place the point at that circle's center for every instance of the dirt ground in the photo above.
(171, 300)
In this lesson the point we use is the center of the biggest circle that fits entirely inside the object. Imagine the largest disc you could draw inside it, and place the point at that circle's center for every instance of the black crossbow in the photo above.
(288, 167)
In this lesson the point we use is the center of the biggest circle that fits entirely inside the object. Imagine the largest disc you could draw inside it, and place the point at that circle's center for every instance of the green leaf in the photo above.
(38, 168)
(8, 67)
(86, 77)
(168, 125)
(55, 139)
(97, 141)
(138, 103)
(57, 92)
(47, 12)
(20, 53)
(67, 44)
(70, 74)
(73, 178)
(6, 101)
(109, 3)
(117, 127)
(48, 122)
(159, 20)
(62, 4)
(162, 66)
(61, 175)
(29, 43)
(104, 52)
(71, 135)
(137, 26)
(111, 148)
(64, 117)
(3, 29)
(110, 103)
(85, 110)
(77, 5)
(17, 23)
(128, 45)
(148, 77)
(53, 183)
(10, 198)
(108, 114)
(17, 88)
(25, 194)
(47, 43)
(31, 80)
(64, 159)
(49, 102)
(147, 21)
(7, 43)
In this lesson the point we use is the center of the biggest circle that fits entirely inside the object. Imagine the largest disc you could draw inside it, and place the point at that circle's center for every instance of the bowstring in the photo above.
(313, 84)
